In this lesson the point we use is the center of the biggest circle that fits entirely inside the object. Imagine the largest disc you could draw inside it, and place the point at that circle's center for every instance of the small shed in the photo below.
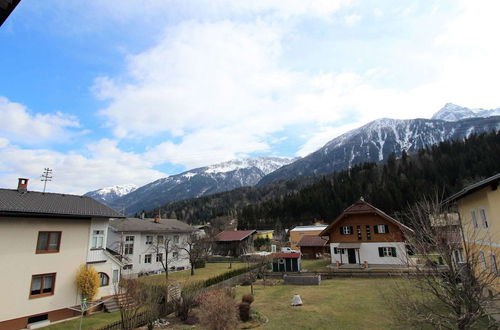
(234, 242)
(313, 247)
(286, 262)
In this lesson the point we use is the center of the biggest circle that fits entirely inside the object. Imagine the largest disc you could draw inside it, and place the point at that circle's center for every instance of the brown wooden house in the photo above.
(313, 247)
(363, 234)
(233, 242)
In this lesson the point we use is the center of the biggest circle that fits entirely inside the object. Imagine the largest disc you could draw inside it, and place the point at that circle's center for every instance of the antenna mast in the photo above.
(46, 176)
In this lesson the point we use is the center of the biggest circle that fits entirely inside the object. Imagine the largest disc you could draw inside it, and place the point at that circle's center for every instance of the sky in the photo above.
(109, 92)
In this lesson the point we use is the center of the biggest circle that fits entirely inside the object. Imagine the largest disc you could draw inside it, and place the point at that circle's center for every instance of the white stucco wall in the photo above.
(18, 260)
(369, 252)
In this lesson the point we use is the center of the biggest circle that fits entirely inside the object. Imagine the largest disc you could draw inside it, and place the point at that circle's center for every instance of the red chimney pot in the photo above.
(22, 184)
(157, 219)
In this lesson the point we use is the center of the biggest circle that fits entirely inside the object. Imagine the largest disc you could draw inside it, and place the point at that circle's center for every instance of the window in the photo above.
(457, 256)
(358, 228)
(493, 264)
(97, 239)
(116, 276)
(159, 257)
(368, 233)
(103, 279)
(338, 251)
(42, 285)
(129, 245)
(175, 255)
(482, 259)
(346, 230)
(387, 251)
(473, 218)
(149, 239)
(381, 229)
(176, 238)
(48, 241)
(159, 239)
(482, 212)
(147, 258)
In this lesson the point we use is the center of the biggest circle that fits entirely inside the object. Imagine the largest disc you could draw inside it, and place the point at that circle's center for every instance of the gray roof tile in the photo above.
(148, 225)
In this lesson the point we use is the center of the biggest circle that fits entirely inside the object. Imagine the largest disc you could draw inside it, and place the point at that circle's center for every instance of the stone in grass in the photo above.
(296, 301)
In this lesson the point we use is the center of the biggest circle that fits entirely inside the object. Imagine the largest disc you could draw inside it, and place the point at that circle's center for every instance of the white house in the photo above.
(147, 245)
(44, 239)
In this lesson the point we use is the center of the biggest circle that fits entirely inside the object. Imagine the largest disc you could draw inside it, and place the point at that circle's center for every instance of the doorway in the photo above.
(351, 256)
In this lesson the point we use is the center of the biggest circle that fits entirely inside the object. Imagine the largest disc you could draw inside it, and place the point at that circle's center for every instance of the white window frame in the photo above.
(129, 244)
(97, 239)
(482, 259)
(159, 255)
(115, 276)
(176, 239)
(149, 239)
(381, 229)
(175, 255)
(473, 217)
(484, 219)
(160, 239)
(146, 257)
(387, 251)
(346, 230)
(493, 264)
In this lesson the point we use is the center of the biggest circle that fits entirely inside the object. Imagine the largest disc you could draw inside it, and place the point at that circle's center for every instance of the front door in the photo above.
(351, 255)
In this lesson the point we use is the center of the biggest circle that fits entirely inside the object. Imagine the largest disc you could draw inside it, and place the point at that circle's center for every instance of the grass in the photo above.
(93, 321)
(315, 265)
(343, 303)
(210, 270)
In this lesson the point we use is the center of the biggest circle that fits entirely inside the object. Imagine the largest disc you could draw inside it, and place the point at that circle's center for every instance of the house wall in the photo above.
(371, 219)
(483, 239)
(263, 235)
(296, 236)
(116, 241)
(369, 252)
(18, 239)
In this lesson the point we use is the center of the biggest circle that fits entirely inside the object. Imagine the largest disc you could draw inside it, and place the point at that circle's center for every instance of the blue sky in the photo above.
(114, 92)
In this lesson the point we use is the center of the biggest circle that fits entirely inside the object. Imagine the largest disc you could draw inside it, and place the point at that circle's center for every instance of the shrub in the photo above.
(200, 263)
(87, 281)
(187, 299)
(244, 311)
(248, 298)
(219, 313)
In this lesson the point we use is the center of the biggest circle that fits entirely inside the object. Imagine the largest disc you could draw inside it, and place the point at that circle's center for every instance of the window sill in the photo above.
(96, 249)
(41, 295)
(46, 251)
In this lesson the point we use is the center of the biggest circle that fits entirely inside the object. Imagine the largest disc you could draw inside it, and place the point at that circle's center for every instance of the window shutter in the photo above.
(341, 232)
(393, 251)
(375, 229)
(386, 228)
(351, 230)
(380, 252)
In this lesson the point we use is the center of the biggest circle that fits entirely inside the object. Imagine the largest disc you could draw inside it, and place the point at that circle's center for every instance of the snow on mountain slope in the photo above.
(453, 112)
(109, 194)
(198, 182)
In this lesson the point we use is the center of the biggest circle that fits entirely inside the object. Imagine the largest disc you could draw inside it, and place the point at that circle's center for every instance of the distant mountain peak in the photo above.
(109, 194)
(453, 112)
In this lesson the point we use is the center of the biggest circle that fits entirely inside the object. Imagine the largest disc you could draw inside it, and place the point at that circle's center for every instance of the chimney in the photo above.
(142, 215)
(22, 184)
(157, 219)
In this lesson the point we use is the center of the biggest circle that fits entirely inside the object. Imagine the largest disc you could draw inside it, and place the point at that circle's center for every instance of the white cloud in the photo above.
(20, 125)
(105, 165)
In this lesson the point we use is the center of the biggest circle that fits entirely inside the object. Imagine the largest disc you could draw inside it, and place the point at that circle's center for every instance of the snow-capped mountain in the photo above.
(198, 182)
(109, 194)
(453, 112)
(377, 140)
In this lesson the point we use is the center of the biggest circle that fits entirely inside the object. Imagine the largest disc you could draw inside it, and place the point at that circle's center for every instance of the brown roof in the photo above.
(286, 255)
(312, 240)
(233, 235)
(362, 207)
(34, 203)
(491, 181)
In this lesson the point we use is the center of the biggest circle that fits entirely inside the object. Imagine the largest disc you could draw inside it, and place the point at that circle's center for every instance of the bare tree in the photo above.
(196, 248)
(449, 289)
(163, 247)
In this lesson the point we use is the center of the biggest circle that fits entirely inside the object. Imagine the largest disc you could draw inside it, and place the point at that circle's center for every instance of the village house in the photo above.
(479, 208)
(144, 243)
(313, 247)
(263, 234)
(233, 242)
(365, 235)
(44, 239)
(298, 232)
(286, 262)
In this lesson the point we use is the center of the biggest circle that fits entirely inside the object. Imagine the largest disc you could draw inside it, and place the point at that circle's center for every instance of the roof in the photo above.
(34, 203)
(6, 8)
(233, 235)
(362, 207)
(491, 181)
(312, 240)
(148, 225)
(308, 228)
(286, 255)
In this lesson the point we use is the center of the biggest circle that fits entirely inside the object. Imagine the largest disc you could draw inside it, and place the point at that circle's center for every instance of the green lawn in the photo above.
(315, 265)
(93, 321)
(343, 303)
(210, 270)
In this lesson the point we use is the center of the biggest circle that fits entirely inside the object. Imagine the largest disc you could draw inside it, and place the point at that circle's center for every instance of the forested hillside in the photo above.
(390, 186)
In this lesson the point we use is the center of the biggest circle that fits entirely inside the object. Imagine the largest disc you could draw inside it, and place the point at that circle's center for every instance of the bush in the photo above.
(87, 281)
(219, 313)
(201, 263)
(227, 275)
(244, 311)
(187, 300)
(248, 298)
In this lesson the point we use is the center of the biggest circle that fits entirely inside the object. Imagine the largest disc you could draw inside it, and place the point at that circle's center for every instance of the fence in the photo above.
(139, 320)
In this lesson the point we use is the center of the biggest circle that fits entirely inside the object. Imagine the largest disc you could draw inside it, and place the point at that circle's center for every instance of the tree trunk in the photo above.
(192, 269)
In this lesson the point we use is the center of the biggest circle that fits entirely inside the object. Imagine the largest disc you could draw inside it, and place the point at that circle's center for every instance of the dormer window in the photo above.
(97, 239)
